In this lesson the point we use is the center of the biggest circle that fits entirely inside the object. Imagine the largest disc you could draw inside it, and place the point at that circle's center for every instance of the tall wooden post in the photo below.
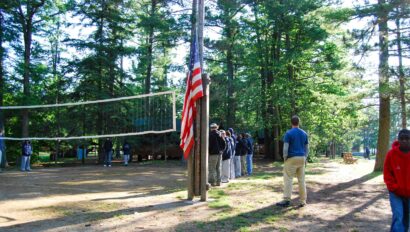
(191, 158)
(204, 137)
(198, 159)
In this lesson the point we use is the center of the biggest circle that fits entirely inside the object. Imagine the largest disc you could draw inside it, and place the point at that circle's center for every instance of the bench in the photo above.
(348, 158)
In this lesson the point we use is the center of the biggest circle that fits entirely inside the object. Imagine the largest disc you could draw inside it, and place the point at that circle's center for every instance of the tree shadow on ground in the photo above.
(273, 218)
(139, 181)
(80, 216)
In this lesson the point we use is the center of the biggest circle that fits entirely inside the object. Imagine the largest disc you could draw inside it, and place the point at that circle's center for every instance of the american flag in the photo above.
(193, 92)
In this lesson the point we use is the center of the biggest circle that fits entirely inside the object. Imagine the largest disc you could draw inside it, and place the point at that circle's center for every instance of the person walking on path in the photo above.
(249, 156)
(126, 150)
(396, 174)
(215, 149)
(295, 152)
(26, 152)
(108, 152)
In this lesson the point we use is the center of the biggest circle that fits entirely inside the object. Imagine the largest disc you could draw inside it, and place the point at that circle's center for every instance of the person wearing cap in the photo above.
(396, 174)
(215, 148)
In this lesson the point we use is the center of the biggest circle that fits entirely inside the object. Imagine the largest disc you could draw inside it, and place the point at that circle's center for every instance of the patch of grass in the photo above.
(277, 164)
(272, 218)
(221, 199)
(315, 172)
(283, 229)
(264, 175)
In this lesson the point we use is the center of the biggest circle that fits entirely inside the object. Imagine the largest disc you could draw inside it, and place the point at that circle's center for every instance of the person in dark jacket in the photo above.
(108, 152)
(215, 149)
(26, 151)
(226, 157)
(396, 174)
(234, 161)
(367, 153)
(126, 149)
(249, 155)
(242, 150)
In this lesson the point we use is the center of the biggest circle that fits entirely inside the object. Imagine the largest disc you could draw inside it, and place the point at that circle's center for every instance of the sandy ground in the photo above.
(151, 197)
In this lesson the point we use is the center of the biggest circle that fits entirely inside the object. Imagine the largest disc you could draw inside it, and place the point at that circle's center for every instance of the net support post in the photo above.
(204, 136)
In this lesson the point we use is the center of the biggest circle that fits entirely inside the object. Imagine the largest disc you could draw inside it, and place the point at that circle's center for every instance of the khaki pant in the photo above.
(214, 169)
(294, 166)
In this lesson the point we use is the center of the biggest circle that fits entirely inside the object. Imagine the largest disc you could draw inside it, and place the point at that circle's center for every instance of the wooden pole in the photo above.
(204, 137)
(201, 19)
(191, 158)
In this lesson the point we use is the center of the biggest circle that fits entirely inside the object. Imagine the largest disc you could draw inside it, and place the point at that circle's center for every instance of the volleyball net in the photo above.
(153, 113)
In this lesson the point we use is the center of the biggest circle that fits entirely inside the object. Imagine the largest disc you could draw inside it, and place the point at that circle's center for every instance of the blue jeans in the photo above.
(400, 208)
(249, 163)
(108, 158)
(25, 163)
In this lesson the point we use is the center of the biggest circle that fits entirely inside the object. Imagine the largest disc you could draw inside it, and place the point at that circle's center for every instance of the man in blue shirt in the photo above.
(295, 152)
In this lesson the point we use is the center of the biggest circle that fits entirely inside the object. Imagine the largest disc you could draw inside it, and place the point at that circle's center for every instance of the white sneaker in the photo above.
(105, 165)
(109, 165)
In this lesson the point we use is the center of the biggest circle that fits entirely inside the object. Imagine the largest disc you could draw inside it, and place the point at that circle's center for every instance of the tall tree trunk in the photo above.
(263, 76)
(230, 119)
(100, 118)
(384, 95)
(401, 75)
(150, 50)
(26, 22)
(27, 28)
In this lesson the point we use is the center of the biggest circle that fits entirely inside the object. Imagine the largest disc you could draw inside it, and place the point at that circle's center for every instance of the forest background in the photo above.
(270, 59)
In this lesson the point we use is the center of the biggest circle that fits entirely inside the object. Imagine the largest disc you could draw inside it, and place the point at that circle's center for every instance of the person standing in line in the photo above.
(226, 157)
(108, 152)
(295, 152)
(396, 174)
(249, 156)
(26, 152)
(215, 149)
(126, 150)
(243, 151)
(233, 146)
(238, 147)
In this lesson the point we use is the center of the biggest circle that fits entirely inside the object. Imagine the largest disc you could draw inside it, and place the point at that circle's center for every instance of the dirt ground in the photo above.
(152, 197)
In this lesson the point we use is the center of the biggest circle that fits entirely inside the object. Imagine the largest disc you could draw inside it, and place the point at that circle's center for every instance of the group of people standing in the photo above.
(108, 151)
(230, 155)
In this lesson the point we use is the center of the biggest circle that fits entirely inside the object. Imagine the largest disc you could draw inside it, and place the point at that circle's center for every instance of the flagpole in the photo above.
(201, 9)
(191, 158)
(204, 103)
